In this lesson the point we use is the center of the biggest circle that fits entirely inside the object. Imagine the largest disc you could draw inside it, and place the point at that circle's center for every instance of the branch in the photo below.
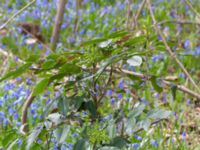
(179, 22)
(16, 14)
(58, 22)
(25, 111)
(76, 22)
(169, 49)
(139, 12)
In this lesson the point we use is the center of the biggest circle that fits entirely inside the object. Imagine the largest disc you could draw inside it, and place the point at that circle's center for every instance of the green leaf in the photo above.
(137, 111)
(109, 148)
(40, 87)
(49, 64)
(17, 72)
(82, 144)
(70, 69)
(34, 135)
(155, 84)
(12, 146)
(129, 125)
(144, 124)
(33, 58)
(118, 142)
(91, 107)
(135, 40)
(77, 102)
(117, 34)
(158, 114)
(63, 104)
(61, 133)
(8, 138)
(174, 89)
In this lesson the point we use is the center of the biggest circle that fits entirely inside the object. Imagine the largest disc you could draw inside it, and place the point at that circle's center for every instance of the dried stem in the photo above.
(138, 13)
(76, 23)
(169, 49)
(25, 107)
(179, 22)
(16, 14)
(58, 22)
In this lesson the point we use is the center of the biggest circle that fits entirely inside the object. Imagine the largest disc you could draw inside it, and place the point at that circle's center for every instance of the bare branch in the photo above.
(58, 22)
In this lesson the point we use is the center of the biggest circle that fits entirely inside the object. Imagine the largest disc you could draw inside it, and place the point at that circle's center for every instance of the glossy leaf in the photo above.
(17, 72)
(40, 87)
(82, 144)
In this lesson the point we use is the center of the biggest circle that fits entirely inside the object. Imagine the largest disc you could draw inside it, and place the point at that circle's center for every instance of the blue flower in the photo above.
(113, 101)
(2, 116)
(121, 84)
(70, 146)
(135, 145)
(154, 143)
(109, 92)
(16, 116)
(186, 44)
(119, 96)
(138, 137)
(184, 135)
(157, 57)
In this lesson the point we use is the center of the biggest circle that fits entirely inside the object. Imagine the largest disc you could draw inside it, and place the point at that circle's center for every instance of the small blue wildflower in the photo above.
(19, 142)
(2, 115)
(188, 102)
(70, 146)
(113, 100)
(75, 135)
(135, 145)
(157, 57)
(5, 122)
(109, 92)
(182, 75)
(11, 110)
(154, 143)
(186, 44)
(138, 137)
(18, 79)
(15, 116)
(39, 141)
(119, 96)
(121, 84)
(183, 135)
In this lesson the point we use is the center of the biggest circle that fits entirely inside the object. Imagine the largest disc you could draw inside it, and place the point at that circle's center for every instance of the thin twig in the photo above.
(193, 9)
(169, 49)
(76, 22)
(179, 22)
(16, 14)
(106, 85)
(58, 22)
(128, 15)
(138, 13)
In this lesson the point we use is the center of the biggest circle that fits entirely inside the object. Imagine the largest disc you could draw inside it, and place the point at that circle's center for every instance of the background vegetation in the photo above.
(122, 75)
